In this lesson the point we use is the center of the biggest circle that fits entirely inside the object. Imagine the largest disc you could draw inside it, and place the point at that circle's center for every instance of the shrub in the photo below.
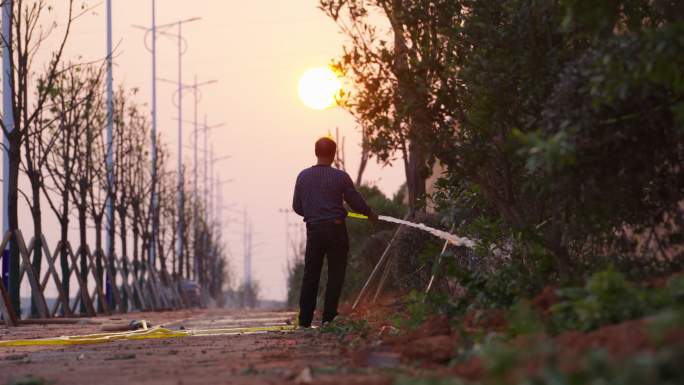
(608, 298)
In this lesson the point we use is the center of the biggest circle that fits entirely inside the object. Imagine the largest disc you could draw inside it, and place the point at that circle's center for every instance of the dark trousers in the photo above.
(323, 240)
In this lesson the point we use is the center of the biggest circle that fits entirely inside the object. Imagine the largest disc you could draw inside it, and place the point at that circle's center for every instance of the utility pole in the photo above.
(109, 243)
(160, 29)
(207, 155)
(195, 122)
(212, 188)
(209, 160)
(181, 181)
(198, 276)
(247, 245)
(287, 231)
(155, 199)
(8, 117)
(247, 268)
(181, 172)
(196, 170)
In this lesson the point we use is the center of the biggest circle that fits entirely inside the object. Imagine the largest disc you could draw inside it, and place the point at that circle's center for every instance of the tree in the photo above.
(25, 41)
(624, 96)
(69, 104)
(522, 100)
(86, 170)
(140, 189)
(126, 117)
(96, 175)
(166, 239)
(395, 77)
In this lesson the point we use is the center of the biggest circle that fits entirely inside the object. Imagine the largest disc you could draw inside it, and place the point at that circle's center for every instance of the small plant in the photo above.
(29, 380)
(343, 327)
(420, 306)
(403, 380)
(523, 319)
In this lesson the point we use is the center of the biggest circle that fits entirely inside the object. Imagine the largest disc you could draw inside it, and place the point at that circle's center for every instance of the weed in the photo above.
(523, 319)
(29, 380)
(343, 327)
(120, 357)
(403, 380)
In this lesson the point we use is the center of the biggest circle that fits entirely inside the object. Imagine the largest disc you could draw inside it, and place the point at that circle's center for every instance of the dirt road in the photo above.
(269, 358)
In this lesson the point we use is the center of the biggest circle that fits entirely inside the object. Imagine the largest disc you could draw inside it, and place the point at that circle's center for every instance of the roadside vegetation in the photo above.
(560, 126)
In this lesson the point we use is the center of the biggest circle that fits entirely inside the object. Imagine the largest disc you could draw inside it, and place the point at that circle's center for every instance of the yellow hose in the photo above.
(151, 333)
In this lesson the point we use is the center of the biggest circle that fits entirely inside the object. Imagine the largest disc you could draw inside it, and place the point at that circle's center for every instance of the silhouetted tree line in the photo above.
(560, 123)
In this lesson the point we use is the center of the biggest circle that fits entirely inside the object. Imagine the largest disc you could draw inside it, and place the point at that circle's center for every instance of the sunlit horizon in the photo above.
(319, 87)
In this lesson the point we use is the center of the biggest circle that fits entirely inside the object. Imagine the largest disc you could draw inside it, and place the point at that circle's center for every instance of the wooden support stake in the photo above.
(85, 297)
(136, 285)
(36, 292)
(437, 262)
(124, 280)
(111, 276)
(377, 267)
(157, 286)
(92, 267)
(61, 296)
(383, 279)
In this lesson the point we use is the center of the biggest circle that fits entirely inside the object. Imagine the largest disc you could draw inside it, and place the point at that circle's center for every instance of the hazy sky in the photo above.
(256, 50)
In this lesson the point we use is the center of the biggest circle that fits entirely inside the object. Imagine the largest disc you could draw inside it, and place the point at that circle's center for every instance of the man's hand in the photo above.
(373, 217)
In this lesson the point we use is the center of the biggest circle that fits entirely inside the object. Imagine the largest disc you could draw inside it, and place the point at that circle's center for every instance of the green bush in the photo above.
(662, 367)
(524, 319)
(500, 288)
(608, 298)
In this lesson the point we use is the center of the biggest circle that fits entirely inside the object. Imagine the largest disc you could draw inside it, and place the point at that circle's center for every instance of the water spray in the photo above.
(451, 238)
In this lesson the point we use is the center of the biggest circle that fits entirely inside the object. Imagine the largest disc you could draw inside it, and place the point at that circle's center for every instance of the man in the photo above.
(318, 197)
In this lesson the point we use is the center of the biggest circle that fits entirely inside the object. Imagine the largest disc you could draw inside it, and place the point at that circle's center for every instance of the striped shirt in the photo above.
(319, 193)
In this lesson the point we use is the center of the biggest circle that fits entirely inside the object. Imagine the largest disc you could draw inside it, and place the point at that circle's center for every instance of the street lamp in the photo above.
(197, 95)
(161, 29)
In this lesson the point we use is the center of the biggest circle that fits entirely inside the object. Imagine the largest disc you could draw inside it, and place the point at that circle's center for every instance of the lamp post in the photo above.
(287, 231)
(109, 242)
(155, 199)
(197, 96)
(161, 30)
(8, 117)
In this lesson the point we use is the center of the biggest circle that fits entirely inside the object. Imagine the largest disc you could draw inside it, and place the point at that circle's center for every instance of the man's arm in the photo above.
(354, 198)
(297, 200)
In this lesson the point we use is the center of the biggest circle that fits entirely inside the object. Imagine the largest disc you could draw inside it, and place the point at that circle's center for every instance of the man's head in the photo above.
(325, 150)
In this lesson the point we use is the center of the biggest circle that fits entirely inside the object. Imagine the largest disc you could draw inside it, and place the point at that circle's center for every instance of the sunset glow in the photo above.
(318, 88)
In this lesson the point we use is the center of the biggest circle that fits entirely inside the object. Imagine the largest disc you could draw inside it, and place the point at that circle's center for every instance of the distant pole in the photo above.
(161, 29)
(247, 226)
(287, 231)
(212, 188)
(206, 171)
(155, 182)
(110, 154)
(8, 119)
(208, 224)
(195, 172)
(181, 193)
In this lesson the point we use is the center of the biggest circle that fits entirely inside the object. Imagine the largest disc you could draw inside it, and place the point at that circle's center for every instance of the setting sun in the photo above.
(318, 88)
